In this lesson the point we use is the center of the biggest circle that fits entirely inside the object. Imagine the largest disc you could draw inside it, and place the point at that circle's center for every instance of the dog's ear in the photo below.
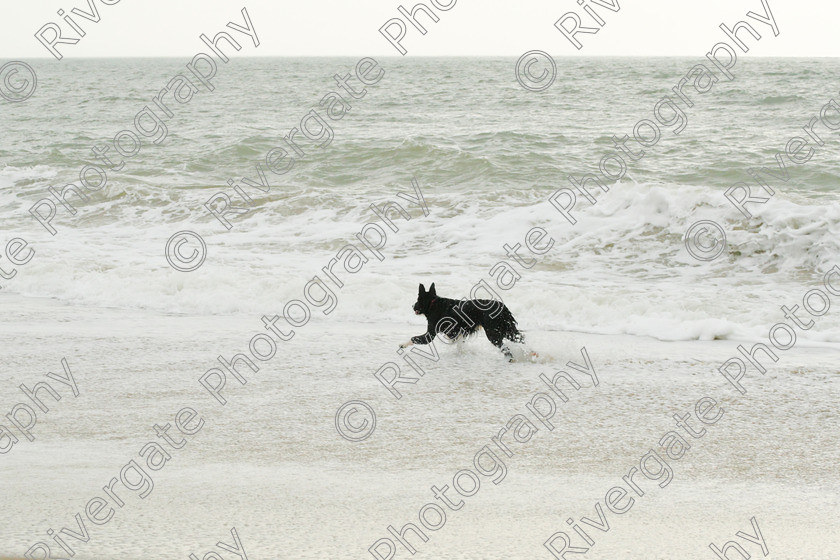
(432, 290)
(422, 289)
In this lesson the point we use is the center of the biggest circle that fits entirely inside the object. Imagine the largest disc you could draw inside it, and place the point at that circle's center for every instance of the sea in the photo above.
(486, 155)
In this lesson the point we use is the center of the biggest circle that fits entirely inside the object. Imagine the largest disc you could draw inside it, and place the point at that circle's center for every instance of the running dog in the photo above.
(457, 319)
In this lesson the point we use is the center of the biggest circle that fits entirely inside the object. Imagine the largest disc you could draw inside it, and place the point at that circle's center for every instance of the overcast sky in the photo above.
(471, 27)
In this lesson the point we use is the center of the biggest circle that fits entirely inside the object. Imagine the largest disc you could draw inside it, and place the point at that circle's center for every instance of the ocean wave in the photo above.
(622, 268)
(780, 99)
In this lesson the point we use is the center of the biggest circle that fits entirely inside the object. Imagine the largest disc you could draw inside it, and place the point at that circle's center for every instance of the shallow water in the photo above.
(271, 464)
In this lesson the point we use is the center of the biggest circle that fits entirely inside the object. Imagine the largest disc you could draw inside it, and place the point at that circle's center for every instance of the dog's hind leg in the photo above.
(497, 340)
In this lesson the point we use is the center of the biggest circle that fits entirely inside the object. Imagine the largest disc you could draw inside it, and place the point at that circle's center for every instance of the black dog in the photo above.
(456, 319)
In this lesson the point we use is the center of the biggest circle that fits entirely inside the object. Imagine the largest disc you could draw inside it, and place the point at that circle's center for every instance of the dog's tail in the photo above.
(510, 330)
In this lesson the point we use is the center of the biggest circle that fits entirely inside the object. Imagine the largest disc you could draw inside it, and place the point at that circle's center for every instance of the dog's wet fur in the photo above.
(457, 319)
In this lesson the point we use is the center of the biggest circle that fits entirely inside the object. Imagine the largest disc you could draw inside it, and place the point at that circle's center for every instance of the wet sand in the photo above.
(271, 464)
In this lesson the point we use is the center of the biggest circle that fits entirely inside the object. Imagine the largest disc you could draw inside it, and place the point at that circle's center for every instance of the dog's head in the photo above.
(424, 299)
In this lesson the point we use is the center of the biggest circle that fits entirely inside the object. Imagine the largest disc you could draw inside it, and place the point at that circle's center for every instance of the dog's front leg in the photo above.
(422, 339)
